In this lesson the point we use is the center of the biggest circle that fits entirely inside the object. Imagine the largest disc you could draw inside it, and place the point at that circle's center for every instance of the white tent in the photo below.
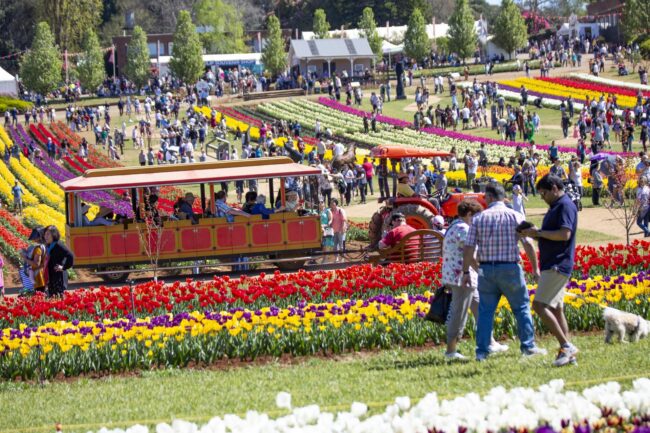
(8, 85)
(389, 48)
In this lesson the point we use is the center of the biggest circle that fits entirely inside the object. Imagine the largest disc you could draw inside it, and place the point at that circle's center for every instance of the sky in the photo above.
(494, 2)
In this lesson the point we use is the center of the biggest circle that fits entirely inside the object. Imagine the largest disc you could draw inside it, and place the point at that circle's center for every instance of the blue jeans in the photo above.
(642, 220)
(508, 280)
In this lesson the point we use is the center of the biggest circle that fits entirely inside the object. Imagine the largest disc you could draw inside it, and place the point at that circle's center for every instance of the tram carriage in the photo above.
(118, 248)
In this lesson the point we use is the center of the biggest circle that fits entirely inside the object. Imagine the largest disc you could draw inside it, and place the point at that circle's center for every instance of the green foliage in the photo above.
(227, 34)
(510, 28)
(197, 394)
(40, 68)
(321, 26)
(187, 57)
(636, 18)
(274, 57)
(462, 37)
(416, 41)
(91, 66)
(369, 31)
(442, 44)
(69, 19)
(137, 58)
(7, 103)
(644, 48)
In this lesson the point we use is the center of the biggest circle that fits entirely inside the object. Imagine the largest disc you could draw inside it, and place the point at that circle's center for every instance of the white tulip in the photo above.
(283, 400)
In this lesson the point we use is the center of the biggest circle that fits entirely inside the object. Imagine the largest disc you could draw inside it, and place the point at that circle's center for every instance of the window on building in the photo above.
(152, 49)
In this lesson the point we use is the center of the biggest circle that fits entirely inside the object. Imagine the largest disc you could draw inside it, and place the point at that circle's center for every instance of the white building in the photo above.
(324, 57)
(250, 61)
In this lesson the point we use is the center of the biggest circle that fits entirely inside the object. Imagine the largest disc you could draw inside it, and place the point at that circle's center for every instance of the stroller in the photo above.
(573, 192)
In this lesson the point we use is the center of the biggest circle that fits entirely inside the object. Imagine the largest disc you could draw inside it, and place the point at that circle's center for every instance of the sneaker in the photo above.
(455, 356)
(535, 351)
(498, 347)
(481, 358)
(565, 355)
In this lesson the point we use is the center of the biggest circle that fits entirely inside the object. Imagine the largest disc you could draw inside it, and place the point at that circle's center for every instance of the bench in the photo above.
(273, 94)
(415, 247)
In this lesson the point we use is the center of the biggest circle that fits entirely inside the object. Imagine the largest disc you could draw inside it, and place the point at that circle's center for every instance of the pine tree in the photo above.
(321, 26)
(40, 68)
(369, 31)
(510, 28)
(187, 57)
(274, 57)
(416, 40)
(91, 65)
(137, 58)
(462, 37)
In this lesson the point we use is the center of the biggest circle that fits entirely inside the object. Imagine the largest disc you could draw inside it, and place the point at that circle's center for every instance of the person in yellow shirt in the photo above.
(403, 187)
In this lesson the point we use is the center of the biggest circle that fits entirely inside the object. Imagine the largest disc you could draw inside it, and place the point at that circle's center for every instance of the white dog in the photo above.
(621, 323)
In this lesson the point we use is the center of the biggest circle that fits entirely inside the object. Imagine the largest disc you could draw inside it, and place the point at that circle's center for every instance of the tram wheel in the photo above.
(288, 266)
(117, 274)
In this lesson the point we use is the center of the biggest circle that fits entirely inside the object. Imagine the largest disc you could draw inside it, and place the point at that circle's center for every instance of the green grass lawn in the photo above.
(376, 379)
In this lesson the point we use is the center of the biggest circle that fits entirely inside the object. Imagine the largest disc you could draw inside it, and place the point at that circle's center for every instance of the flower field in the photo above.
(552, 89)
(604, 89)
(362, 307)
(548, 409)
(347, 122)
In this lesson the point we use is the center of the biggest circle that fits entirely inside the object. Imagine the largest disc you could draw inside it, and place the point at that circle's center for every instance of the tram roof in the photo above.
(184, 174)
(397, 152)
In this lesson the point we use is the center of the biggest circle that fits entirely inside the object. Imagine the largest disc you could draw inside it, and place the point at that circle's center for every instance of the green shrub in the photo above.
(7, 103)
(645, 49)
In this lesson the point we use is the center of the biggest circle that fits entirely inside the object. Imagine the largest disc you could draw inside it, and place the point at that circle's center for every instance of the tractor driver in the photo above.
(403, 187)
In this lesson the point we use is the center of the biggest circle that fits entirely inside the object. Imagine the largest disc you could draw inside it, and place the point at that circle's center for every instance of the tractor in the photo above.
(418, 209)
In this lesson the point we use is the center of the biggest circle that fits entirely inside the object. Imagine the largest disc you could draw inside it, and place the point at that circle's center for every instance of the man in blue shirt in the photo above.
(557, 242)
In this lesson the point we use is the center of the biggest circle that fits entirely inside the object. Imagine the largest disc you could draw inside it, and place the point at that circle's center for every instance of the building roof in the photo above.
(186, 174)
(330, 48)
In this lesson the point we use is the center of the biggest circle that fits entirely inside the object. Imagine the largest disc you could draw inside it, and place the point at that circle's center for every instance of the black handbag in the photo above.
(439, 310)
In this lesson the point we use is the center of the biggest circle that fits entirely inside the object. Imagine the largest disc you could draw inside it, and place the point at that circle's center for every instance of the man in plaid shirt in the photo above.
(493, 235)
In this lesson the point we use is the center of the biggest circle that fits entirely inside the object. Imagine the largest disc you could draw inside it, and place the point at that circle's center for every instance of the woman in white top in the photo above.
(463, 298)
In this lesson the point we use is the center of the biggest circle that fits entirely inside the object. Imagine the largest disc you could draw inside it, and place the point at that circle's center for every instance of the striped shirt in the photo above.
(493, 231)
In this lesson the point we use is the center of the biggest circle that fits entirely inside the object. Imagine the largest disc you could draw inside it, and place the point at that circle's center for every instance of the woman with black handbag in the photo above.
(462, 298)
(59, 260)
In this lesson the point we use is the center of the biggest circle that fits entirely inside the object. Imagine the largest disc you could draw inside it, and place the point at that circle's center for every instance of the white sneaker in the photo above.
(498, 347)
(535, 351)
(455, 356)
(565, 356)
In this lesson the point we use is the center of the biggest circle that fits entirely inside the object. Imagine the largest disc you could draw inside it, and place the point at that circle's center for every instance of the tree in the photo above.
(462, 37)
(40, 68)
(274, 57)
(510, 28)
(416, 41)
(137, 58)
(150, 233)
(187, 57)
(625, 206)
(636, 18)
(369, 31)
(91, 66)
(69, 19)
(223, 28)
(321, 26)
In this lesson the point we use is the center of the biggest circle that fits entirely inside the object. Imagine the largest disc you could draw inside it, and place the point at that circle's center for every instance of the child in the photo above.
(518, 200)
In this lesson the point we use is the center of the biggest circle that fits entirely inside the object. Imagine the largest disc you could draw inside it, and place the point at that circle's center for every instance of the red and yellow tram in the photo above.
(118, 248)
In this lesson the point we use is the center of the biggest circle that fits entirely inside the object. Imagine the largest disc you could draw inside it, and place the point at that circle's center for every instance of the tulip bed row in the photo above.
(604, 408)
(551, 89)
(599, 265)
(604, 89)
(609, 82)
